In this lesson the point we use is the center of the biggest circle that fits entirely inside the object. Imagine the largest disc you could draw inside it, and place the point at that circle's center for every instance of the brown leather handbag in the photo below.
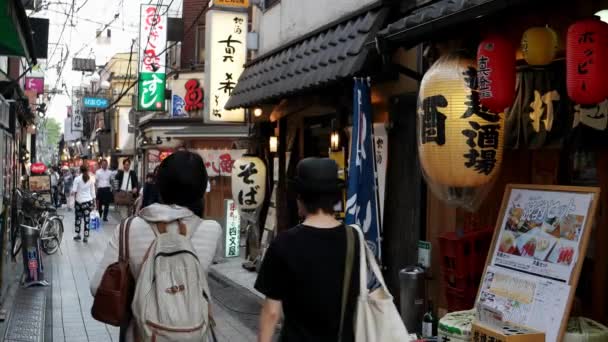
(112, 304)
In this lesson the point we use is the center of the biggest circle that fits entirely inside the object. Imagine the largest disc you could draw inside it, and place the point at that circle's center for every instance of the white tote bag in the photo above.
(377, 318)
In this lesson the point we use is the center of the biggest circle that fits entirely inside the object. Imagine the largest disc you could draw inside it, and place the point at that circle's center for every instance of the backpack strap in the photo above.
(123, 240)
(161, 227)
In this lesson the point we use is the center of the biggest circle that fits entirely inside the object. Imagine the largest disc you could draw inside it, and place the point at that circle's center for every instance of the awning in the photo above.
(424, 22)
(16, 31)
(236, 131)
(317, 60)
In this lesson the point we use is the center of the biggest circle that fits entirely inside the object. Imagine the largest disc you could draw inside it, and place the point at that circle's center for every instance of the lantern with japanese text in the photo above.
(539, 45)
(460, 142)
(249, 182)
(496, 73)
(587, 61)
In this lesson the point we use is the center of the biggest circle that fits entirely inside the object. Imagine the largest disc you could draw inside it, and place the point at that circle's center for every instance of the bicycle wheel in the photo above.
(16, 234)
(51, 235)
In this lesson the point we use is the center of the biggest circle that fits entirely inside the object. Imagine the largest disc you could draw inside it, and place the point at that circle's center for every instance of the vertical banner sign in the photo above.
(152, 44)
(362, 203)
(225, 57)
(381, 150)
(77, 121)
(232, 229)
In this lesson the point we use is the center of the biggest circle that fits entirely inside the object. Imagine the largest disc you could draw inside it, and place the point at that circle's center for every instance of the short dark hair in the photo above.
(182, 180)
(126, 161)
(313, 202)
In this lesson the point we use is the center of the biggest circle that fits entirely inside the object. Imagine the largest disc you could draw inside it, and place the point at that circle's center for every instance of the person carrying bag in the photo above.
(376, 318)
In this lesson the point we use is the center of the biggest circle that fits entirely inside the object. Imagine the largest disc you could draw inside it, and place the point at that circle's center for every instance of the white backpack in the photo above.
(171, 301)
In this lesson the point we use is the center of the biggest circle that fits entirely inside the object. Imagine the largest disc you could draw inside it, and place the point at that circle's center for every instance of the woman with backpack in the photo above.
(175, 230)
(84, 191)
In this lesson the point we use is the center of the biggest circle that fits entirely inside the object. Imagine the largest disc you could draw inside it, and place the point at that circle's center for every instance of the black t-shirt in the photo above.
(304, 269)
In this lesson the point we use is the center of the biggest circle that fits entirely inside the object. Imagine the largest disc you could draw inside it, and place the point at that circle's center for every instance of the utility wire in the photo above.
(61, 34)
(200, 14)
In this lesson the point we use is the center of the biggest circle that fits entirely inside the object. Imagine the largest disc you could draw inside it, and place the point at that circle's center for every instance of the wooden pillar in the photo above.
(282, 208)
(600, 267)
(405, 199)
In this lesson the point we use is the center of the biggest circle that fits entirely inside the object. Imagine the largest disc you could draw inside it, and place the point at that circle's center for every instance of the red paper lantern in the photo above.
(587, 61)
(496, 73)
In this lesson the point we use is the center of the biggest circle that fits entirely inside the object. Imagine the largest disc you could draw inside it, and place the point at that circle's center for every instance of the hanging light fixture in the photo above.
(257, 112)
(159, 141)
(334, 138)
(274, 143)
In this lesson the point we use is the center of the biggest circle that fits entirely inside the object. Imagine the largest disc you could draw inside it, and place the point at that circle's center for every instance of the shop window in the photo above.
(199, 49)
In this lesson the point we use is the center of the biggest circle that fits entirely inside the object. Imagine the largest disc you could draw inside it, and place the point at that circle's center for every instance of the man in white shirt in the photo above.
(103, 178)
(55, 187)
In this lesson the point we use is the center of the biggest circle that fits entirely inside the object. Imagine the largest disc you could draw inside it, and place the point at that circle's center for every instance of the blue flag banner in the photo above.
(362, 203)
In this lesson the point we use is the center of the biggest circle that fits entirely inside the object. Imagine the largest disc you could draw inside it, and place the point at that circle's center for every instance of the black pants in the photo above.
(104, 196)
(83, 213)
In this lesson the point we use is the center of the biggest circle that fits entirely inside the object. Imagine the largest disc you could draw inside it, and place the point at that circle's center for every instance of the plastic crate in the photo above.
(468, 284)
(458, 300)
(465, 255)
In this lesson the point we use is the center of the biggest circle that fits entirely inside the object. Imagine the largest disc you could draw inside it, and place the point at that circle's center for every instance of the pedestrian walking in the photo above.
(84, 193)
(181, 183)
(305, 272)
(103, 183)
(55, 179)
(149, 193)
(126, 180)
(68, 182)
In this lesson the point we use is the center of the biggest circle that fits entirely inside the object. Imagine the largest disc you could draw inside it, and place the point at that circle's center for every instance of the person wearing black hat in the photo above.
(303, 272)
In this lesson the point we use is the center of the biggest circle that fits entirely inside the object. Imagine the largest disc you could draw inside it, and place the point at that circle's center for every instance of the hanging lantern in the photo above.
(539, 45)
(496, 73)
(249, 182)
(587, 61)
(460, 143)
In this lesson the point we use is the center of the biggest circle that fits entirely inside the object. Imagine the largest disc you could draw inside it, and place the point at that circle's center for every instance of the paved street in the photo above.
(73, 267)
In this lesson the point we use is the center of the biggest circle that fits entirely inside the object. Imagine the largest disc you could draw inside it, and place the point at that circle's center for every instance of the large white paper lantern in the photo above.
(249, 182)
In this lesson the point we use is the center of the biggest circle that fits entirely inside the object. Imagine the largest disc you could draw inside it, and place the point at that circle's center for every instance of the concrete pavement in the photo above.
(73, 267)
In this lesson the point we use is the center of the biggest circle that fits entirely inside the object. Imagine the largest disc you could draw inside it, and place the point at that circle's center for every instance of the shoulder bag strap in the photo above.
(121, 241)
(348, 270)
(124, 239)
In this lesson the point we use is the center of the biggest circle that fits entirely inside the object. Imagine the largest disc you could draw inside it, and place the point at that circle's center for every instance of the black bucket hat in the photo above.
(316, 175)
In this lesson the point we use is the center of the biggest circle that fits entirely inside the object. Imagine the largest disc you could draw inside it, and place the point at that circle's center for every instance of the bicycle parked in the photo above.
(34, 211)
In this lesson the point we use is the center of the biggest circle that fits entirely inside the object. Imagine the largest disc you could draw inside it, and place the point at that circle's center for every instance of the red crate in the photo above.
(468, 284)
(458, 300)
(465, 255)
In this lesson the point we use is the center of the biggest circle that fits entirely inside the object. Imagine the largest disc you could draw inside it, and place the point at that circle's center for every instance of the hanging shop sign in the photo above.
(194, 96)
(537, 255)
(587, 61)
(95, 102)
(38, 168)
(249, 182)
(35, 83)
(152, 45)
(225, 56)
(232, 3)
(232, 229)
(460, 142)
(76, 116)
(220, 162)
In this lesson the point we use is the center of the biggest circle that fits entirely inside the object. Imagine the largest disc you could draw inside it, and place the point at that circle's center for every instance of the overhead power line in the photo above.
(186, 31)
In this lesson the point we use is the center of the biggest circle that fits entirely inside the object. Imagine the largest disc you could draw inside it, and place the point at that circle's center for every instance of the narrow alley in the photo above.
(72, 268)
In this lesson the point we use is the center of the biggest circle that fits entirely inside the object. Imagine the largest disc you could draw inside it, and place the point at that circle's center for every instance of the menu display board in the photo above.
(541, 232)
(539, 245)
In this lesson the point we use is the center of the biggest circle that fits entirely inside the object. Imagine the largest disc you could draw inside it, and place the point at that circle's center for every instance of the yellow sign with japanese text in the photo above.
(232, 3)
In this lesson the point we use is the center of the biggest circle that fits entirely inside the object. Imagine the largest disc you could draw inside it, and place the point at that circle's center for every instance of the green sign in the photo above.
(151, 90)
(424, 254)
